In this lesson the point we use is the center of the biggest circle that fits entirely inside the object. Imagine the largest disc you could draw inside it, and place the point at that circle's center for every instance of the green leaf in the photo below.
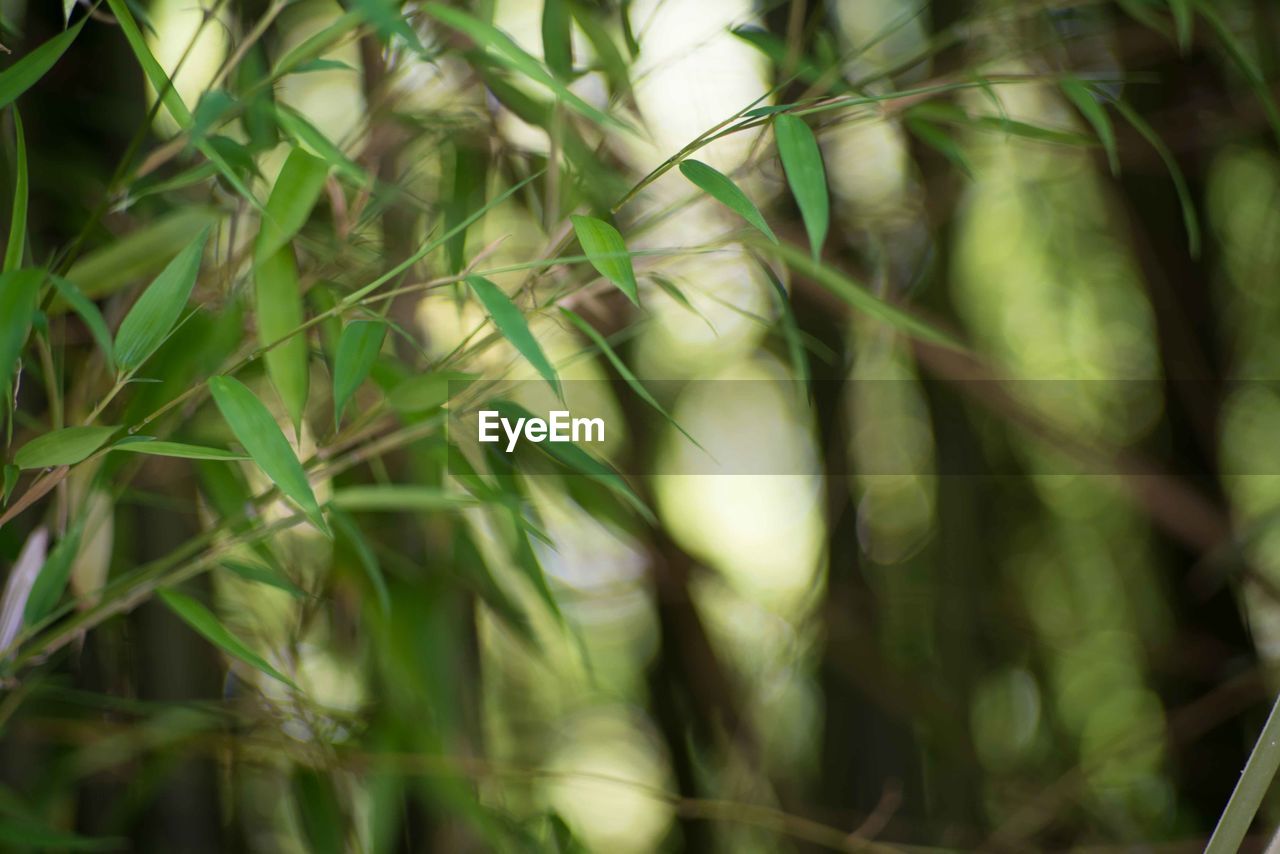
(358, 350)
(350, 531)
(18, 834)
(51, 583)
(88, 312)
(1189, 219)
(11, 474)
(802, 162)
(557, 43)
(939, 140)
(213, 106)
(623, 371)
(1182, 21)
(280, 313)
(264, 575)
(18, 292)
(396, 497)
(64, 447)
(181, 450)
(319, 812)
(296, 190)
(512, 325)
(426, 391)
(138, 253)
(503, 49)
(257, 431)
(1093, 112)
(604, 247)
(309, 135)
(152, 317)
(18, 219)
(722, 189)
(200, 618)
(28, 70)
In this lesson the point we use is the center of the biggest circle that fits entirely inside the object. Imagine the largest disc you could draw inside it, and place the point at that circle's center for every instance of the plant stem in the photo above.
(1255, 779)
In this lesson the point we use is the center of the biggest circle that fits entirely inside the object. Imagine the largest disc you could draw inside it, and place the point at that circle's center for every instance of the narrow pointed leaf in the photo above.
(397, 497)
(64, 447)
(942, 142)
(18, 292)
(802, 162)
(350, 531)
(511, 323)
(258, 432)
(1094, 113)
(139, 253)
(294, 124)
(52, 581)
(296, 190)
(622, 369)
(200, 618)
(152, 317)
(180, 450)
(1182, 21)
(722, 189)
(88, 312)
(27, 71)
(557, 46)
(604, 247)
(17, 587)
(280, 313)
(358, 350)
(264, 575)
(18, 217)
(1189, 218)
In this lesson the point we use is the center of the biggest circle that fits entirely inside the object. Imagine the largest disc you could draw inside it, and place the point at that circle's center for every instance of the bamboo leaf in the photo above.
(138, 253)
(604, 247)
(152, 317)
(320, 813)
(28, 70)
(1189, 219)
(280, 313)
(623, 371)
(264, 575)
(1182, 22)
(1093, 112)
(358, 350)
(18, 218)
(19, 834)
(180, 450)
(257, 431)
(296, 190)
(88, 312)
(64, 447)
(557, 44)
(939, 140)
(350, 531)
(512, 325)
(18, 292)
(52, 581)
(200, 618)
(426, 391)
(397, 497)
(17, 587)
(307, 134)
(722, 189)
(802, 162)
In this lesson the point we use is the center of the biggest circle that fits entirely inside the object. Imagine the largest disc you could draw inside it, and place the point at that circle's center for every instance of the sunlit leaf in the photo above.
(604, 247)
(152, 317)
(18, 292)
(252, 424)
(180, 450)
(622, 369)
(802, 162)
(88, 312)
(723, 190)
(26, 71)
(280, 313)
(200, 618)
(358, 349)
(397, 497)
(299, 185)
(18, 215)
(64, 447)
(511, 323)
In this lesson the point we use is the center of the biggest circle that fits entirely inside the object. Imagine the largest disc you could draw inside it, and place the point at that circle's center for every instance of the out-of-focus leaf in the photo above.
(358, 349)
(64, 447)
(18, 292)
(321, 64)
(527, 560)
(426, 391)
(388, 21)
(152, 317)
(319, 812)
(470, 166)
(1183, 19)
(264, 575)
(722, 189)
(52, 581)
(259, 116)
(604, 247)
(158, 448)
(1243, 59)
(213, 106)
(607, 55)
(17, 587)
(258, 432)
(139, 252)
(1095, 115)
(397, 496)
(1036, 133)
(11, 474)
(557, 44)
(505, 50)
(200, 618)
(310, 136)
(351, 532)
(27, 71)
(511, 323)
(1189, 219)
(623, 371)
(280, 313)
(18, 217)
(940, 141)
(802, 162)
(299, 185)
(310, 48)
(18, 834)
(88, 312)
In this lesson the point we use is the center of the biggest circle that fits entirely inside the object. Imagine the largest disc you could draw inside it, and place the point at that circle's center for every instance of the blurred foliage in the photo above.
(1005, 271)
